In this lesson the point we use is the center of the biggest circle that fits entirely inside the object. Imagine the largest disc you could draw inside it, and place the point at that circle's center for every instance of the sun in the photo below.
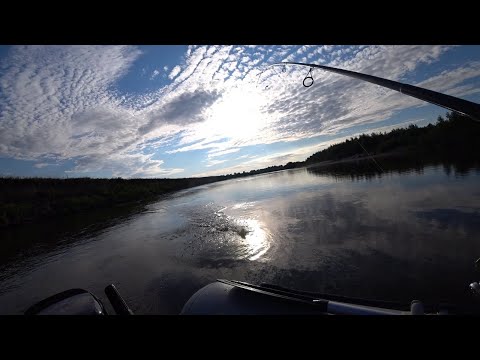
(238, 114)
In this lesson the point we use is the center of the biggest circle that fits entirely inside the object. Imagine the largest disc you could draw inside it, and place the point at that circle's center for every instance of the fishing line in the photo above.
(371, 157)
(284, 69)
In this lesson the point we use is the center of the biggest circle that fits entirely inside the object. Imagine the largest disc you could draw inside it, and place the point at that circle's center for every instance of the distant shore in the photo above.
(30, 200)
(27, 200)
(357, 158)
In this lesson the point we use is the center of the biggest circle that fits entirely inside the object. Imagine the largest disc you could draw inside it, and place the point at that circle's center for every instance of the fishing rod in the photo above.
(449, 102)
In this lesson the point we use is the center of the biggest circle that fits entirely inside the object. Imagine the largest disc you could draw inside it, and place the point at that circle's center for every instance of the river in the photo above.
(394, 236)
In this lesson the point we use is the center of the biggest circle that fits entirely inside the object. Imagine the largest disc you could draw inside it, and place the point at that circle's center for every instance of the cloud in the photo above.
(155, 74)
(259, 162)
(42, 165)
(185, 109)
(245, 157)
(44, 87)
(448, 81)
(216, 153)
(215, 162)
(125, 165)
(175, 71)
(63, 102)
(57, 102)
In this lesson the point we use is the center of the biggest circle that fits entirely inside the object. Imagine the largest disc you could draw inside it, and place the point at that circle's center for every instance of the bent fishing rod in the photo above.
(449, 102)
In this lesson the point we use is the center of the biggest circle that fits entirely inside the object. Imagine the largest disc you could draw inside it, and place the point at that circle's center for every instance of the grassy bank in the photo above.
(24, 200)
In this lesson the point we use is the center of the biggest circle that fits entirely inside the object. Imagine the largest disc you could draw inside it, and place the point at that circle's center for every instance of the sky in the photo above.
(181, 111)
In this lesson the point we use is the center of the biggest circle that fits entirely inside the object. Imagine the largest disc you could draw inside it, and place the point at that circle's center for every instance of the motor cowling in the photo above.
(69, 302)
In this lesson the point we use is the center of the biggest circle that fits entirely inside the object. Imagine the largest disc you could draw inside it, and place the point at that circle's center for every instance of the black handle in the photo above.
(119, 305)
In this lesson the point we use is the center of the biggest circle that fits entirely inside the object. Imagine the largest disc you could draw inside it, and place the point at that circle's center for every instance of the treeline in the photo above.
(290, 165)
(453, 136)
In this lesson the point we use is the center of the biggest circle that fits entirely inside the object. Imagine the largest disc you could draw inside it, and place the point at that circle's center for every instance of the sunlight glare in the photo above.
(238, 114)
(255, 237)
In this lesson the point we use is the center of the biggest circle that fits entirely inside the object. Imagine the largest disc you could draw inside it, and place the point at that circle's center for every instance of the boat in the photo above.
(230, 297)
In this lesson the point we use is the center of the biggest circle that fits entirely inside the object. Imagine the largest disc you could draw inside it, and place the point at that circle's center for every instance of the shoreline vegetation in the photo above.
(454, 138)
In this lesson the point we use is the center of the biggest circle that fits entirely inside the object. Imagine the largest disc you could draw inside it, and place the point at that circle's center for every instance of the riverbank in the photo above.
(30, 200)
(27, 200)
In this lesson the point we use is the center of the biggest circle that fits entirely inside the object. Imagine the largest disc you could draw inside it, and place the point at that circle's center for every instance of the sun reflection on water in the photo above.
(254, 237)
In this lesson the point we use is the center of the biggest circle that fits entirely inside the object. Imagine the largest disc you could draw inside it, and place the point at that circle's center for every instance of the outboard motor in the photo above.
(79, 302)
(474, 286)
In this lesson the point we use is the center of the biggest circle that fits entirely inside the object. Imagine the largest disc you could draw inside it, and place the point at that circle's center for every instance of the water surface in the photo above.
(393, 236)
